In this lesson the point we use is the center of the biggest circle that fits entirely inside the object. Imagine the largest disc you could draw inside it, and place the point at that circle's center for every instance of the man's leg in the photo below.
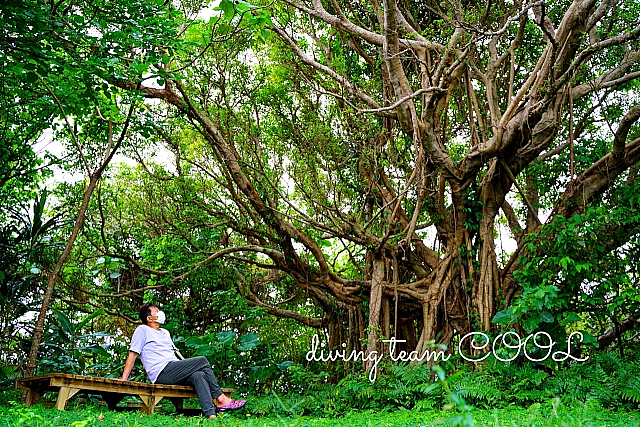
(191, 371)
(180, 371)
(222, 401)
(211, 379)
(177, 372)
(199, 381)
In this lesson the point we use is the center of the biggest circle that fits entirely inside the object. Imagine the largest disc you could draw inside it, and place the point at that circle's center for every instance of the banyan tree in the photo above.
(357, 157)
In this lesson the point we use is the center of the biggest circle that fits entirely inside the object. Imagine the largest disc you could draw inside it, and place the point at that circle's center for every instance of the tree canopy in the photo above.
(350, 164)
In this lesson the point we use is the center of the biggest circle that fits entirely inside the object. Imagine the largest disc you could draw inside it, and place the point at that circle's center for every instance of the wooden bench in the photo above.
(111, 390)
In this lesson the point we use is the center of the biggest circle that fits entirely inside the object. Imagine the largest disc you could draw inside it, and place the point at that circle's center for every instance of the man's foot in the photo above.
(232, 405)
(211, 417)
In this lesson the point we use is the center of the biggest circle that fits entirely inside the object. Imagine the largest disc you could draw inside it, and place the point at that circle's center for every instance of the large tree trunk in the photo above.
(375, 305)
(53, 276)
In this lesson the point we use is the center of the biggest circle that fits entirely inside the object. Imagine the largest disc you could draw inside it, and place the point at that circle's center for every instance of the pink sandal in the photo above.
(232, 406)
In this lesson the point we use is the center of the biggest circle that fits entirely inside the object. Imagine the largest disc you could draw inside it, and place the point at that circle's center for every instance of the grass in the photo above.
(552, 413)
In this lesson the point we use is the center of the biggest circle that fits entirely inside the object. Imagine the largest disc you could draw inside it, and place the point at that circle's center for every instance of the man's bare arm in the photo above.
(128, 365)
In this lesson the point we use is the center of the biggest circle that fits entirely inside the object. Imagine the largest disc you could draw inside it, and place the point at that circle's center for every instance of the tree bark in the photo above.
(375, 305)
(51, 282)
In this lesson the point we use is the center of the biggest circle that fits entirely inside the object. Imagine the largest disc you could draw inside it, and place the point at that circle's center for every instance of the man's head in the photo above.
(148, 310)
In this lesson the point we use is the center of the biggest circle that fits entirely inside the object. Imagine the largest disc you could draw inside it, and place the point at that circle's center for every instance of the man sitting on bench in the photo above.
(156, 350)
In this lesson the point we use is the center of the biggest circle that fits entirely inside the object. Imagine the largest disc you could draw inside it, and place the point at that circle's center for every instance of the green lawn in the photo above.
(551, 414)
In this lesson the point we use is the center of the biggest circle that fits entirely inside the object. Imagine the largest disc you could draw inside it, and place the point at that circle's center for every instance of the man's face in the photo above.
(154, 315)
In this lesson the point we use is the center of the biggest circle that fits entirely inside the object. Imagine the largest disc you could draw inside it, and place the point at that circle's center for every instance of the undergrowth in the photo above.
(551, 413)
(608, 380)
(486, 395)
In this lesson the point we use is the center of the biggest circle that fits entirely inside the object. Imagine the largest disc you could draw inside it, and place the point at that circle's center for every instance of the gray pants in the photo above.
(196, 372)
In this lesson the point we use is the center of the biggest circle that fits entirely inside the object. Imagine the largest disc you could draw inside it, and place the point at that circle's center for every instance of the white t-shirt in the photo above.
(155, 349)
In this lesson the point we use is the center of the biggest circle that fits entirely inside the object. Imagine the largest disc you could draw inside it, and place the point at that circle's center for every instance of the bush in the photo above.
(606, 380)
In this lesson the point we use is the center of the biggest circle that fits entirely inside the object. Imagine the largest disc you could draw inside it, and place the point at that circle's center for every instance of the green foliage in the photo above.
(497, 394)
(24, 116)
(67, 348)
(606, 380)
(551, 413)
(403, 387)
(574, 274)
(224, 350)
(28, 250)
(29, 246)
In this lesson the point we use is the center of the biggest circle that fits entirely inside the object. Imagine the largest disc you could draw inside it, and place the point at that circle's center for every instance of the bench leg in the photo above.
(178, 402)
(150, 402)
(65, 394)
(34, 394)
(112, 400)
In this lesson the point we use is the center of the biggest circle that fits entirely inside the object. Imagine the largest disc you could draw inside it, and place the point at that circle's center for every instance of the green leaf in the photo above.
(89, 318)
(35, 270)
(439, 371)
(227, 7)
(96, 349)
(226, 337)
(589, 339)
(571, 317)
(325, 243)
(530, 324)
(546, 317)
(284, 365)
(503, 317)
(65, 322)
(206, 350)
(249, 342)
(195, 342)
